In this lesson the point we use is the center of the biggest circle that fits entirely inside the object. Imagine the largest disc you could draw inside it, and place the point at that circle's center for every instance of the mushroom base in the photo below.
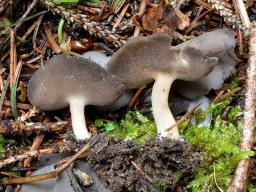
(78, 119)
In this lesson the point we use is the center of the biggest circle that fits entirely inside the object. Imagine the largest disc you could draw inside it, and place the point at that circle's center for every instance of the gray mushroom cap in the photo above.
(65, 76)
(219, 43)
(97, 57)
(142, 58)
(145, 59)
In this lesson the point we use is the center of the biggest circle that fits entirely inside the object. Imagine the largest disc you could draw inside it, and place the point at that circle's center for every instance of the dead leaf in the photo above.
(158, 18)
(153, 18)
(183, 20)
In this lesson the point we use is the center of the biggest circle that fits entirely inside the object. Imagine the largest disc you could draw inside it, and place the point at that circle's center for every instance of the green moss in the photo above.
(160, 187)
(219, 146)
(3, 143)
(133, 126)
(5, 26)
(218, 143)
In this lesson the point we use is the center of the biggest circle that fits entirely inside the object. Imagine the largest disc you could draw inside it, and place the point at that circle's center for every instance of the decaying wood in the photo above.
(239, 181)
(11, 127)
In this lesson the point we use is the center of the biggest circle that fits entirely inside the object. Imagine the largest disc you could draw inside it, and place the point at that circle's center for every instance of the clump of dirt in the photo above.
(161, 160)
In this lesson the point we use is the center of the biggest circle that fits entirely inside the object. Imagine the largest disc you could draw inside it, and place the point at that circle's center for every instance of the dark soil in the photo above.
(160, 160)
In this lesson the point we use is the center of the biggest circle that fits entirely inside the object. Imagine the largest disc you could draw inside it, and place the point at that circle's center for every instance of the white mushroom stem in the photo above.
(161, 111)
(78, 119)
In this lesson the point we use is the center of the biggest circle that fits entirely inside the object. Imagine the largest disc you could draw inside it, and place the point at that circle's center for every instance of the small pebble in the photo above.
(83, 178)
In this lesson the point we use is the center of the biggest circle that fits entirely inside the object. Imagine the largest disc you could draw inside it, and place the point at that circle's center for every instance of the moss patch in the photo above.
(133, 126)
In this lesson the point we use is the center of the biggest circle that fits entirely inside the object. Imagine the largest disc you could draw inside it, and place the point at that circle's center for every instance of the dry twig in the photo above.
(6, 85)
(38, 22)
(22, 19)
(142, 172)
(53, 44)
(8, 174)
(243, 13)
(19, 105)
(12, 57)
(35, 146)
(21, 157)
(93, 27)
(54, 173)
(13, 65)
(22, 39)
(241, 173)
(228, 15)
(121, 16)
(188, 114)
(132, 103)
(226, 95)
(142, 10)
(12, 127)
(3, 5)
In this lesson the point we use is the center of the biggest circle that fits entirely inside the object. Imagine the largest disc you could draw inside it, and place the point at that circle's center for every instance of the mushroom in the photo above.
(101, 59)
(97, 57)
(74, 81)
(218, 43)
(145, 59)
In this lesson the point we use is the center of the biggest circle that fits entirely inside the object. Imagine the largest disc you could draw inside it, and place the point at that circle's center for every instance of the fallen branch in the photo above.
(36, 153)
(241, 173)
(11, 127)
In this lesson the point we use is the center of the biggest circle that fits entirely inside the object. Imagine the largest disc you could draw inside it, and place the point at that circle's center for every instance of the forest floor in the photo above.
(126, 152)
